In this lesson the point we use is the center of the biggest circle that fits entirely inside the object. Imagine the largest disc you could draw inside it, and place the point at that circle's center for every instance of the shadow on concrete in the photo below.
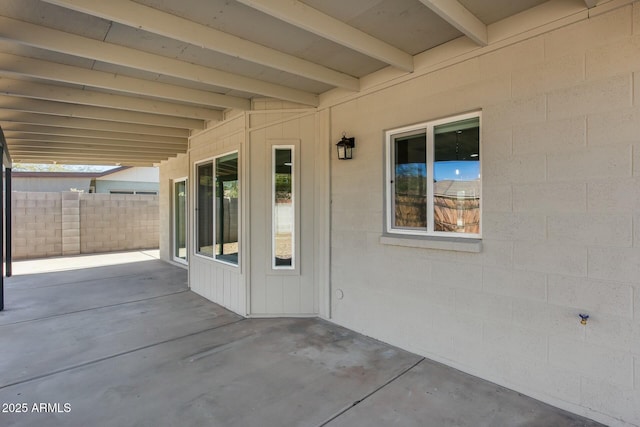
(130, 345)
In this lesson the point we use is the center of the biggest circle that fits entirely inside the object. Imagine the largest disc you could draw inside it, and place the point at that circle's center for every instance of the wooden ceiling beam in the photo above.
(165, 24)
(50, 92)
(41, 37)
(98, 113)
(17, 137)
(68, 161)
(89, 151)
(7, 116)
(19, 153)
(45, 70)
(302, 16)
(458, 16)
(18, 129)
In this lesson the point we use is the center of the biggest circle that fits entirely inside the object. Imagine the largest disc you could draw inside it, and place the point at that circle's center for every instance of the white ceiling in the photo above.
(82, 79)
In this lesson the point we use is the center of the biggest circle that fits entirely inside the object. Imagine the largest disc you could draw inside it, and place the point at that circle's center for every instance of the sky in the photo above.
(457, 170)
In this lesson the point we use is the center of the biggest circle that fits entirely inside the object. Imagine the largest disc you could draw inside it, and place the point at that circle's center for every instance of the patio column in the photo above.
(70, 223)
(8, 225)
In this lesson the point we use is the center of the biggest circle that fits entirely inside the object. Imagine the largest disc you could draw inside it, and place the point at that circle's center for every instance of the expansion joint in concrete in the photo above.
(113, 356)
(368, 395)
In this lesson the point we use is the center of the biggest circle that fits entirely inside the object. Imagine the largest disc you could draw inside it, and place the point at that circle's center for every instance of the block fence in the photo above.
(71, 223)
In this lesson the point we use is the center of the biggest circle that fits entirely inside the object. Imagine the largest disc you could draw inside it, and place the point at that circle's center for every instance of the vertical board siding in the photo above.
(283, 292)
(220, 283)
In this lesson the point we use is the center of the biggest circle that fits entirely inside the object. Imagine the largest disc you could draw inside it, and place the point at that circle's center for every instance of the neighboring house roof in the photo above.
(451, 188)
(131, 179)
(134, 174)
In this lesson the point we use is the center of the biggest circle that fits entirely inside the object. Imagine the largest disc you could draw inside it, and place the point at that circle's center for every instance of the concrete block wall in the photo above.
(37, 225)
(115, 222)
(70, 223)
(561, 214)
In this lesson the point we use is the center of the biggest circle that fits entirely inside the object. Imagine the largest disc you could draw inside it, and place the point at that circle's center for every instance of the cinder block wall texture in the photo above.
(37, 225)
(560, 210)
(70, 223)
(116, 222)
(561, 221)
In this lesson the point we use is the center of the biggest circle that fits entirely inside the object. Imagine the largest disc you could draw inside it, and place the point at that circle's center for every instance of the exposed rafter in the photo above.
(22, 66)
(7, 116)
(58, 41)
(99, 113)
(79, 142)
(119, 153)
(76, 114)
(155, 21)
(98, 99)
(63, 157)
(299, 14)
(459, 17)
(60, 159)
(20, 130)
(93, 149)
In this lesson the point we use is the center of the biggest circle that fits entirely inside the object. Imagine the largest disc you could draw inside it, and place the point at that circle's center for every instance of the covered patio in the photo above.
(119, 339)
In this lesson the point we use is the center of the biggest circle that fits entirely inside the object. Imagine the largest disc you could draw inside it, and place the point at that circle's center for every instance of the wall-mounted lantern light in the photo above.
(345, 147)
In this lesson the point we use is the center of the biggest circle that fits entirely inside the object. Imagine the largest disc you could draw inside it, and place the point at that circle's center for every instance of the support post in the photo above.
(220, 197)
(2, 235)
(8, 223)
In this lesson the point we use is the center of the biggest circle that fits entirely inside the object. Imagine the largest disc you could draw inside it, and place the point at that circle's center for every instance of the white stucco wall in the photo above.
(561, 214)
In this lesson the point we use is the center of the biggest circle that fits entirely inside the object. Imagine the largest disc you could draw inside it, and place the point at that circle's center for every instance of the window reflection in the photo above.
(180, 220)
(283, 208)
(410, 181)
(227, 196)
(456, 189)
(205, 209)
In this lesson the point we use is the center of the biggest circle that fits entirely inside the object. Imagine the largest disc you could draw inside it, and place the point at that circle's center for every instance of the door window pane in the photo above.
(204, 214)
(283, 208)
(227, 197)
(409, 182)
(456, 188)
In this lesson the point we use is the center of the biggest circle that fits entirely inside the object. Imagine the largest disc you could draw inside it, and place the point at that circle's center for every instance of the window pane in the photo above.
(456, 188)
(283, 208)
(227, 193)
(180, 220)
(410, 181)
(205, 210)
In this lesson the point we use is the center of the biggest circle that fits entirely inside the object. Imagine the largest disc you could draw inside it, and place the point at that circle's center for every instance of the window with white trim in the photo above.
(283, 207)
(434, 178)
(180, 220)
(217, 208)
(204, 209)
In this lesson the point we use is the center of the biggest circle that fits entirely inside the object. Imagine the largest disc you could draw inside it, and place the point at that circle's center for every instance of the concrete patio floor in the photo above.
(127, 344)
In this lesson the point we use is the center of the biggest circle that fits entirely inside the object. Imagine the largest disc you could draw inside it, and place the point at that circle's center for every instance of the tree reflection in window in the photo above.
(227, 204)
